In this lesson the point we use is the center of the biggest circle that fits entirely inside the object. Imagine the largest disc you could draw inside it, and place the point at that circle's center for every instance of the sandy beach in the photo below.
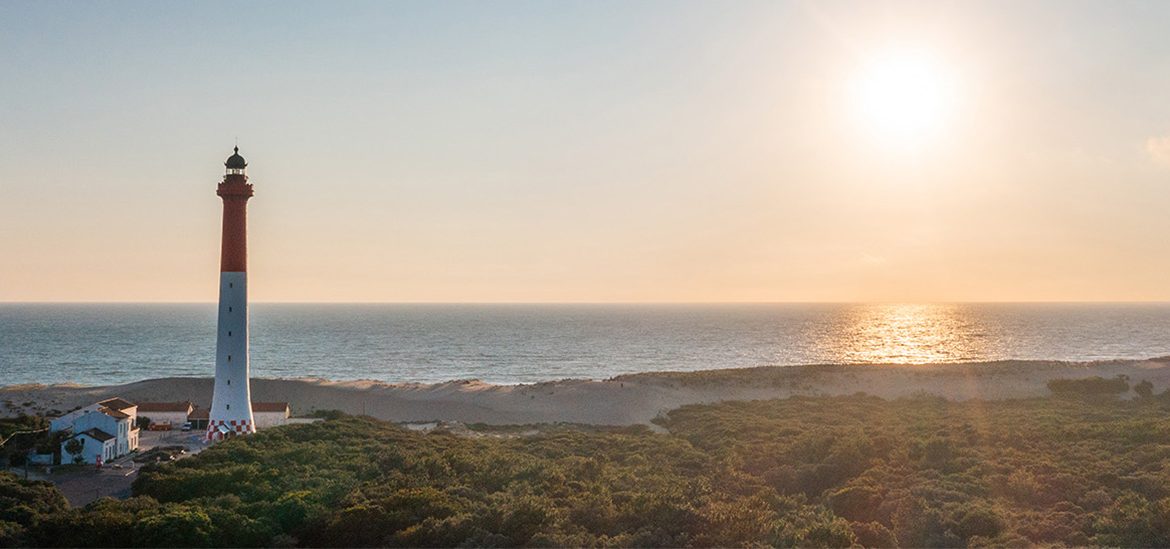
(623, 400)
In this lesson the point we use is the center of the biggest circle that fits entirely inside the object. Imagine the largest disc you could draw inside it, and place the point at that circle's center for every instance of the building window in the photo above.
(229, 358)
(229, 406)
(229, 309)
(230, 285)
(229, 333)
(229, 382)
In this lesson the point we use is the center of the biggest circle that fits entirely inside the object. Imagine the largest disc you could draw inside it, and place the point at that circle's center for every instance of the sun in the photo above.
(904, 98)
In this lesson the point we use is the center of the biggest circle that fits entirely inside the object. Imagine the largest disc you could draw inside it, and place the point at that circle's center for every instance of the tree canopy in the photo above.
(813, 472)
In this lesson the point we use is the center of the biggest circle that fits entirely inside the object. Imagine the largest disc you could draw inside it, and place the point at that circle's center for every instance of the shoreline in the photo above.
(627, 399)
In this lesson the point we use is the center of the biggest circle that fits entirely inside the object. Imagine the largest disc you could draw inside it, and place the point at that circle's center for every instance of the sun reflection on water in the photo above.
(911, 334)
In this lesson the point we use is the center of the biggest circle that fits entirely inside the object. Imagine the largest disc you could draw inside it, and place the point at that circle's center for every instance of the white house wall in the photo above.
(265, 420)
(91, 449)
(174, 418)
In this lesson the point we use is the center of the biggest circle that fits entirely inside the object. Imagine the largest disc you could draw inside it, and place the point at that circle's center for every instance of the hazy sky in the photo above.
(584, 151)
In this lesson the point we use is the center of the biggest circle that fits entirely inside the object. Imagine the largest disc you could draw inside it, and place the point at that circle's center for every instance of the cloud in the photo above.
(1159, 149)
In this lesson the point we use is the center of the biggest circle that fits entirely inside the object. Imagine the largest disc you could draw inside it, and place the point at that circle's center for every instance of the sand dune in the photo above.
(624, 400)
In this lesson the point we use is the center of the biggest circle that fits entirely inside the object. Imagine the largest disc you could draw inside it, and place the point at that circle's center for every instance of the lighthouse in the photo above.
(231, 401)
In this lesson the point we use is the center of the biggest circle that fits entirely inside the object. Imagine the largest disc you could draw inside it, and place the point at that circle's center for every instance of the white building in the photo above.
(270, 414)
(96, 446)
(111, 423)
(170, 413)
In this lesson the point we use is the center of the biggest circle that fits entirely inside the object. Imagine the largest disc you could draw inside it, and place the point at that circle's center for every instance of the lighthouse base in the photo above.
(227, 428)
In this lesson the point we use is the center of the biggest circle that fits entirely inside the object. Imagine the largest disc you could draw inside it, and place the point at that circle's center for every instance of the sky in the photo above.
(589, 151)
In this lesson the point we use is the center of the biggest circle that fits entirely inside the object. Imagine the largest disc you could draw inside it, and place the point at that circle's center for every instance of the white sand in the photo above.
(624, 400)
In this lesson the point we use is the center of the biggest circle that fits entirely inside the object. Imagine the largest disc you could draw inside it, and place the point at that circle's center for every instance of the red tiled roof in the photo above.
(199, 413)
(117, 403)
(113, 413)
(269, 407)
(164, 407)
(96, 434)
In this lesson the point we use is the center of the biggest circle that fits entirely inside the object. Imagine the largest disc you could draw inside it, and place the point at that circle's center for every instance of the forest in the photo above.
(1082, 467)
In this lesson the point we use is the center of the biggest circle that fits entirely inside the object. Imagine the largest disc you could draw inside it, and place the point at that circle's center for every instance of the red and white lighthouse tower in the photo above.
(231, 401)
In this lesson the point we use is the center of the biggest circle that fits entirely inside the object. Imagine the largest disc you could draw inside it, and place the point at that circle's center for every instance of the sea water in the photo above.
(102, 344)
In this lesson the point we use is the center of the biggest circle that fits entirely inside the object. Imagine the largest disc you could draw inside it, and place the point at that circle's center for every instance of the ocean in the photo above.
(100, 344)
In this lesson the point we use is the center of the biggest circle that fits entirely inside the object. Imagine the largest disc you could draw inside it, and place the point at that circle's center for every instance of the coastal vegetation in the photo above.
(23, 434)
(807, 471)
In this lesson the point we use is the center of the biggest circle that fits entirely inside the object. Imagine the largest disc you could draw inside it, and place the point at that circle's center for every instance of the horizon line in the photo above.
(834, 302)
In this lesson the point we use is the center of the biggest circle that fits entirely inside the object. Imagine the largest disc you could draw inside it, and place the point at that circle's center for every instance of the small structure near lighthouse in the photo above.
(231, 401)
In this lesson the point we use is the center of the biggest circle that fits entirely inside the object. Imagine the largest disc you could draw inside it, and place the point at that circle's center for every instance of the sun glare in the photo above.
(904, 98)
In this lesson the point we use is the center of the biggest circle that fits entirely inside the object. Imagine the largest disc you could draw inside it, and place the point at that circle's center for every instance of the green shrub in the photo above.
(1089, 387)
(809, 472)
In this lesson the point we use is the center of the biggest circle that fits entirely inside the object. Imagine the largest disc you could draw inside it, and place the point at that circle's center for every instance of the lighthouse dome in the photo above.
(235, 161)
